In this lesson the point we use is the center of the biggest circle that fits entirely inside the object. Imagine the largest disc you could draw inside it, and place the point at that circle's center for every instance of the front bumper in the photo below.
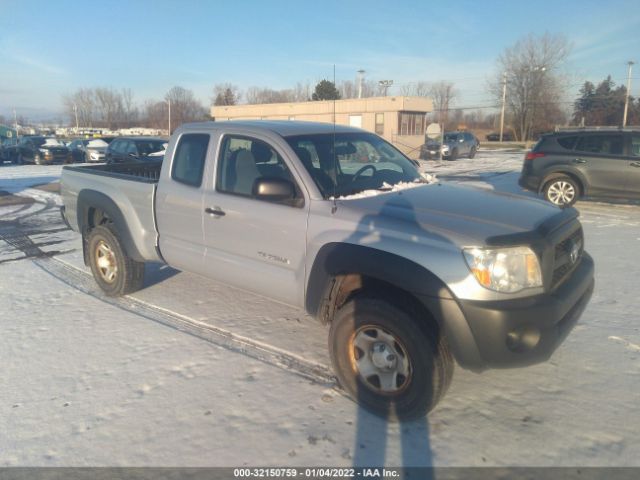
(517, 332)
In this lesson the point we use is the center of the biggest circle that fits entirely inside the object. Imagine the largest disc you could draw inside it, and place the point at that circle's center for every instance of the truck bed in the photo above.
(148, 172)
(128, 188)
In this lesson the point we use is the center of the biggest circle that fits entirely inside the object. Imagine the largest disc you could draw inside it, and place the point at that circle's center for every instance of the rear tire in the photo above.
(562, 191)
(114, 271)
(387, 360)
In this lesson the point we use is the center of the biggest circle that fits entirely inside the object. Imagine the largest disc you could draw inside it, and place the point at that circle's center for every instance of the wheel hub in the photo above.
(106, 262)
(382, 356)
(380, 360)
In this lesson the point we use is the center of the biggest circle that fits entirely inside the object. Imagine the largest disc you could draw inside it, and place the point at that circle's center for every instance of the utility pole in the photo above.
(15, 122)
(168, 100)
(385, 84)
(626, 99)
(504, 99)
(360, 79)
(75, 110)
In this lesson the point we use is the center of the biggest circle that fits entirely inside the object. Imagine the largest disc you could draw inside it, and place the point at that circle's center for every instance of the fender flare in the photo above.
(88, 199)
(337, 259)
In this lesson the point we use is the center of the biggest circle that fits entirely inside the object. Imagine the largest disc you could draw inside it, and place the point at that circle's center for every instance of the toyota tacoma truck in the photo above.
(409, 274)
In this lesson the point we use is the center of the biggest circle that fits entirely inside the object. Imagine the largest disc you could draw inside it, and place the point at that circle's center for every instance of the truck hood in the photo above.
(461, 215)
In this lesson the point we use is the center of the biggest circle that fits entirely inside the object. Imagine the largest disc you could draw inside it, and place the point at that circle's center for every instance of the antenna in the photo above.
(335, 157)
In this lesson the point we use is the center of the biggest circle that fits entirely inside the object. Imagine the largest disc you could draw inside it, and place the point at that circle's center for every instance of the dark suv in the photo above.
(596, 162)
(135, 149)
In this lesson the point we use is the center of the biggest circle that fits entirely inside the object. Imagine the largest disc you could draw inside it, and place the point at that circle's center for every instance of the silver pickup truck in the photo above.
(409, 274)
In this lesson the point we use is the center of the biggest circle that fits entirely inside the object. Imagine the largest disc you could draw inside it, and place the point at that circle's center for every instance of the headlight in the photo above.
(94, 155)
(504, 269)
(445, 148)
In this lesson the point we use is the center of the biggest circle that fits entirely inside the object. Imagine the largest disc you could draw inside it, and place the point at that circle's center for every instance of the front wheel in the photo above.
(472, 153)
(562, 191)
(454, 155)
(114, 271)
(387, 360)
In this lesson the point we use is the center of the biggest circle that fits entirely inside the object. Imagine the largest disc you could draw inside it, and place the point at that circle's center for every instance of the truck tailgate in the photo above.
(86, 187)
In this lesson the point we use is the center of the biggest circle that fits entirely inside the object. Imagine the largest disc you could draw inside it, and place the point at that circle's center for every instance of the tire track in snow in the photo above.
(263, 352)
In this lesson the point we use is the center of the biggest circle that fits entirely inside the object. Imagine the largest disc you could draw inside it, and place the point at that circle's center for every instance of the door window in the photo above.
(244, 160)
(602, 144)
(635, 145)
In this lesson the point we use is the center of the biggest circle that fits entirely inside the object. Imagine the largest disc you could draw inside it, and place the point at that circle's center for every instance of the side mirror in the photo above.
(274, 189)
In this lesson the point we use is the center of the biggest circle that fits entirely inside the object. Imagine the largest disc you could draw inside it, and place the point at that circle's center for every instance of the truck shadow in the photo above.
(155, 273)
(375, 432)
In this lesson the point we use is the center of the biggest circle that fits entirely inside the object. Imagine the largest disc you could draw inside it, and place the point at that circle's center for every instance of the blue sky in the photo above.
(49, 48)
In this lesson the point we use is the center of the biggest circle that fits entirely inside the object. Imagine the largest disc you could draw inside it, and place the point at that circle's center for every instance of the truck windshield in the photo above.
(354, 163)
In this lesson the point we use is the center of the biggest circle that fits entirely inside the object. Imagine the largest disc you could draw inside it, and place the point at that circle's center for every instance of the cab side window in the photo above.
(189, 159)
(244, 160)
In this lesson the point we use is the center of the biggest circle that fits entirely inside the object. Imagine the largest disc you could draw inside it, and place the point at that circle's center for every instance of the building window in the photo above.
(380, 123)
(411, 123)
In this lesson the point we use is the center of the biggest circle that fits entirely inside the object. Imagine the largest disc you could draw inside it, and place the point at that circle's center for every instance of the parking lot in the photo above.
(188, 366)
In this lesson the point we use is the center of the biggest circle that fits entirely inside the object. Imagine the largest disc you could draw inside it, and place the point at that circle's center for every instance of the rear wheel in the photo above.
(562, 191)
(387, 361)
(114, 271)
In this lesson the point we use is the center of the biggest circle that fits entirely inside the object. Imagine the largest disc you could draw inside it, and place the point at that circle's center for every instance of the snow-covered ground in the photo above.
(189, 372)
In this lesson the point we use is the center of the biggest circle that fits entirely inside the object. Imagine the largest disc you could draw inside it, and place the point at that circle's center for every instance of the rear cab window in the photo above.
(189, 159)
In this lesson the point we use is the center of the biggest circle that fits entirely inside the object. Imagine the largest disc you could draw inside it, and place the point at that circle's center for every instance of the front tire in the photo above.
(387, 361)
(113, 270)
(562, 191)
(472, 153)
(454, 155)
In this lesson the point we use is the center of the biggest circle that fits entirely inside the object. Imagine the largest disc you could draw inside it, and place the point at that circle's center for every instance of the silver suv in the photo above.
(455, 145)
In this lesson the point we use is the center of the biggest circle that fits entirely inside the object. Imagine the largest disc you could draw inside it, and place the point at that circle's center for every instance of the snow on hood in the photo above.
(387, 188)
(52, 142)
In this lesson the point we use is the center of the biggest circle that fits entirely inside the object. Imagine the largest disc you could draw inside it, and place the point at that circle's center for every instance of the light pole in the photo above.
(75, 110)
(385, 84)
(168, 100)
(15, 122)
(504, 99)
(360, 78)
(626, 99)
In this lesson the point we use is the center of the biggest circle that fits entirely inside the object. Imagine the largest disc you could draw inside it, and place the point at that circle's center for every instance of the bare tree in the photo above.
(83, 103)
(184, 107)
(258, 95)
(534, 86)
(443, 94)
(416, 89)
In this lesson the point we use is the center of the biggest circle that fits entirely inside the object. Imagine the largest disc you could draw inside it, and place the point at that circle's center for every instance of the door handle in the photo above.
(635, 164)
(578, 160)
(215, 211)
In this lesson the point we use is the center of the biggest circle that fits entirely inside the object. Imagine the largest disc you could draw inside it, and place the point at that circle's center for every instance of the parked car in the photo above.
(7, 149)
(407, 275)
(41, 150)
(495, 137)
(567, 165)
(135, 149)
(455, 145)
(88, 150)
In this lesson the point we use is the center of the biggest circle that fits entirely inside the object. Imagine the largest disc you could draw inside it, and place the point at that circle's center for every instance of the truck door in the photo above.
(252, 243)
(179, 203)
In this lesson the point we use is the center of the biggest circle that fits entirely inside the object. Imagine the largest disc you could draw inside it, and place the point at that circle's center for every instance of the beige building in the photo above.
(400, 120)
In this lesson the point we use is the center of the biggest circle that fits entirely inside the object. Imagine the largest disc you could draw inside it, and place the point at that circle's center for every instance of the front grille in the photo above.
(567, 256)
